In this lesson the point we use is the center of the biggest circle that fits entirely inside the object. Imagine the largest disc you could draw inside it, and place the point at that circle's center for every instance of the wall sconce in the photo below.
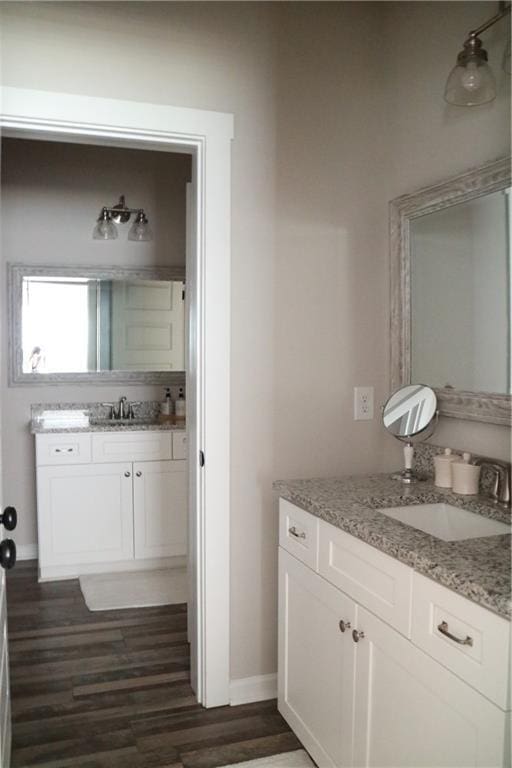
(471, 81)
(106, 229)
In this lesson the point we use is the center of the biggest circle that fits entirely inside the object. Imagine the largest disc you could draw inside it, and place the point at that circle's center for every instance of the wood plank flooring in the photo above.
(111, 689)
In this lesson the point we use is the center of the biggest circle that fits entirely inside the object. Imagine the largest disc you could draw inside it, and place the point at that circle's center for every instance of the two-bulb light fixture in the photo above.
(471, 82)
(106, 229)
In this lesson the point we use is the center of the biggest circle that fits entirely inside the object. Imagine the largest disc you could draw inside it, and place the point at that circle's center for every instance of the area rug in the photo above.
(297, 759)
(135, 589)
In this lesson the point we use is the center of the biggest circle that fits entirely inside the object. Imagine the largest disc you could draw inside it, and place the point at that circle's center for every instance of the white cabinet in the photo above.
(409, 711)
(85, 514)
(109, 501)
(375, 698)
(160, 508)
(316, 661)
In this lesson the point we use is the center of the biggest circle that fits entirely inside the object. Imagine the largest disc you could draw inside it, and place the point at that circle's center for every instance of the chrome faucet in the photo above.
(123, 410)
(500, 492)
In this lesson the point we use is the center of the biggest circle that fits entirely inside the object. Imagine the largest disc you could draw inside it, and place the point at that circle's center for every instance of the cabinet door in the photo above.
(160, 508)
(316, 662)
(85, 514)
(410, 711)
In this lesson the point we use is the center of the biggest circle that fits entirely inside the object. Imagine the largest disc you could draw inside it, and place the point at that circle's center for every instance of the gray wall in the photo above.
(51, 196)
(338, 108)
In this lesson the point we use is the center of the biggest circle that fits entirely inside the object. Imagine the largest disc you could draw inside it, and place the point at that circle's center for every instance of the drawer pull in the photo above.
(138, 473)
(357, 636)
(127, 474)
(344, 625)
(443, 629)
(294, 532)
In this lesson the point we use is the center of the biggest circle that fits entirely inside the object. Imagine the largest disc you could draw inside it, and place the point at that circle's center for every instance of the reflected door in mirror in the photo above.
(82, 325)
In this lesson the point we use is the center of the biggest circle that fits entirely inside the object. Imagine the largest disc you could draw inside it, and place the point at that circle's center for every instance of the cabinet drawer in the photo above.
(375, 580)
(179, 445)
(68, 448)
(132, 446)
(298, 533)
(483, 660)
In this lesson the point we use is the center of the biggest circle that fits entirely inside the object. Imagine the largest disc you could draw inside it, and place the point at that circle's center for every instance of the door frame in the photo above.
(207, 137)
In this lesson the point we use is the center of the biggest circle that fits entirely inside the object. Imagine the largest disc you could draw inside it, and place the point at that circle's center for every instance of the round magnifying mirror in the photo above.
(410, 416)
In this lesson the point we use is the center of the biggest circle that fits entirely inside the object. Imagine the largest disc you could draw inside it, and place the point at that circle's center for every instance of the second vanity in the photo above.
(394, 646)
(109, 498)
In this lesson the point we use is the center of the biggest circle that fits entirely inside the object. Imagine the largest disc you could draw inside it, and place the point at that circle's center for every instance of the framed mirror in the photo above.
(88, 324)
(451, 293)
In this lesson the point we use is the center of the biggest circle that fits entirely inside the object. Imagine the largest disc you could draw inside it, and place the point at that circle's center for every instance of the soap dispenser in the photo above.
(443, 468)
(181, 406)
(166, 409)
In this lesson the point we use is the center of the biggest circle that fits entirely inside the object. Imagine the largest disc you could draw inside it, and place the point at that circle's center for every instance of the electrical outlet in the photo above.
(363, 403)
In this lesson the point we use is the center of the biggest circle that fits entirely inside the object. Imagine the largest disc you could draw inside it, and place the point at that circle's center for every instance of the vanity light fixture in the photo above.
(471, 82)
(106, 229)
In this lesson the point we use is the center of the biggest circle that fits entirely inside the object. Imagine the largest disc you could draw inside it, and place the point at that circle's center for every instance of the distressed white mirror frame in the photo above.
(15, 275)
(477, 406)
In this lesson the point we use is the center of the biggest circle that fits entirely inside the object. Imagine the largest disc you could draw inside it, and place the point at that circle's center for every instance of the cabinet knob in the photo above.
(138, 473)
(127, 474)
(9, 519)
(357, 636)
(344, 625)
(7, 554)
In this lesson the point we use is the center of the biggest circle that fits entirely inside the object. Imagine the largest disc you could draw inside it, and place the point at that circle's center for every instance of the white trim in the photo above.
(248, 689)
(26, 551)
(207, 136)
(60, 572)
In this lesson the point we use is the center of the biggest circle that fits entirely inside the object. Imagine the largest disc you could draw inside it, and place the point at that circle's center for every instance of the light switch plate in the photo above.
(363, 403)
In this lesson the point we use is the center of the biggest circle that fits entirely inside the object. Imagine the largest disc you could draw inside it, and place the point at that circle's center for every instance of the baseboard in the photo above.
(26, 551)
(248, 689)
(61, 572)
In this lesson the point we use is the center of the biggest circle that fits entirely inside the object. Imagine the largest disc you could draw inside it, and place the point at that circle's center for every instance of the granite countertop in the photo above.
(52, 418)
(478, 569)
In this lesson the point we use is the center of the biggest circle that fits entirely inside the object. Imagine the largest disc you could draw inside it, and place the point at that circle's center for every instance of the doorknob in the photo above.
(9, 519)
(7, 554)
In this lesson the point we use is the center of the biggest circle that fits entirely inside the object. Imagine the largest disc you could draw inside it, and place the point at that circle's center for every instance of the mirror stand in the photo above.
(411, 416)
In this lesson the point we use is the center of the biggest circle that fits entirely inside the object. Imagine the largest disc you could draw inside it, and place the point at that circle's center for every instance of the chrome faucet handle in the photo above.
(501, 487)
(111, 406)
(131, 409)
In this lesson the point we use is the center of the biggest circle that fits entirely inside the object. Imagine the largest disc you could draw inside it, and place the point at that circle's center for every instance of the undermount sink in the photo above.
(136, 421)
(446, 522)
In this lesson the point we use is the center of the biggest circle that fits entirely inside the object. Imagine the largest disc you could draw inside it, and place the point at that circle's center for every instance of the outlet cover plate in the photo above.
(363, 403)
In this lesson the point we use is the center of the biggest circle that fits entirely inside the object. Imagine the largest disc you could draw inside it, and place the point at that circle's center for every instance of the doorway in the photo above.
(206, 136)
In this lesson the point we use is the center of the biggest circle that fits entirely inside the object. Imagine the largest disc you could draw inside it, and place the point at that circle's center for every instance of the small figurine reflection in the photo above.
(36, 360)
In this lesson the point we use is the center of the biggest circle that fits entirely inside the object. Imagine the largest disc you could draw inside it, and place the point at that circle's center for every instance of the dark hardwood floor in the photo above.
(111, 689)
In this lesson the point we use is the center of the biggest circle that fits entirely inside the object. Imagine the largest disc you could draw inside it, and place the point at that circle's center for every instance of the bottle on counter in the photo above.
(465, 476)
(443, 468)
(166, 407)
(180, 406)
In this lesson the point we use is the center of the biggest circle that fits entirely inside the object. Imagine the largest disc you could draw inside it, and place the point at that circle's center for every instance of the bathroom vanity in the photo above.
(109, 498)
(394, 645)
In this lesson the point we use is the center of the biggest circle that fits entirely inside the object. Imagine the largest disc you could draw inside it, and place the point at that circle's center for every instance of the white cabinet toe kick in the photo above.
(110, 502)
(380, 666)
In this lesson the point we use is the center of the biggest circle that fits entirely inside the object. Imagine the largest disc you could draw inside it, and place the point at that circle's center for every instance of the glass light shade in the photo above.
(140, 231)
(105, 229)
(471, 81)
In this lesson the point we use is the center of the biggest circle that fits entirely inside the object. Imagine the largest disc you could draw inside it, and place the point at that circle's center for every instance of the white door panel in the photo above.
(412, 713)
(148, 322)
(85, 514)
(316, 662)
(160, 508)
